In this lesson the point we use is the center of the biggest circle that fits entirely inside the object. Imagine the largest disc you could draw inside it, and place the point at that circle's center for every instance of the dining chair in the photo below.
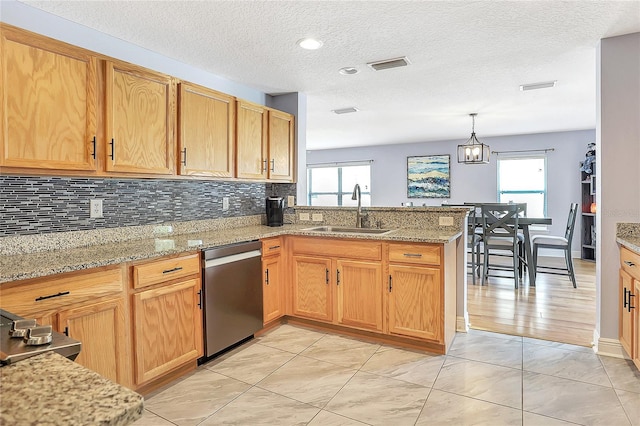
(500, 238)
(557, 243)
(473, 240)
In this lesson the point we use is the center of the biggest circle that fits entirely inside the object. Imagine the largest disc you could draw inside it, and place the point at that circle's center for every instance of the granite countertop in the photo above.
(49, 390)
(628, 235)
(43, 263)
(631, 242)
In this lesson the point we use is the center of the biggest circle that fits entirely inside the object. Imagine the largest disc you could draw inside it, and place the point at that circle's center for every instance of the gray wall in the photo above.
(476, 183)
(618, 166)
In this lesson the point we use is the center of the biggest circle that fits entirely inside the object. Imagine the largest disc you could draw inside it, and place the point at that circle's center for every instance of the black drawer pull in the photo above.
(51, 296)
(274, 247)
(412, 255)
(177, 268)
(629, 263)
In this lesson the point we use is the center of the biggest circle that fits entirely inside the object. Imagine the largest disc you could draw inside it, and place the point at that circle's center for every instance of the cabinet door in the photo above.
(206, 123)
(167, 328)
(281, 146)
(359, 286)
(415, 302)
(139, 120)
(626, 314)
(48, 96)
(311, 288)
(636, 324)
(272, 288)
(101, 329)
(251, 156)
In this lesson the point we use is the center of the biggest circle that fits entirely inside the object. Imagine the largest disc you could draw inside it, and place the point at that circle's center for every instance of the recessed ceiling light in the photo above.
(310, 43)
(534, 86)
(348, 71)
(345, 110)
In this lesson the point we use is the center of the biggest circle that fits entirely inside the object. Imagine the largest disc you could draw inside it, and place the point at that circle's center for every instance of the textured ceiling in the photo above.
(466, 56)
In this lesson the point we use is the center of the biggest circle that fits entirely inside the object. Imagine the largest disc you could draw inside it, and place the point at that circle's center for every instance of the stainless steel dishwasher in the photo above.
(232, 295)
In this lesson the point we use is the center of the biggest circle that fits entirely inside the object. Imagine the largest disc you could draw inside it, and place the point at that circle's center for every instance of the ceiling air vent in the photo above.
(389, 63)
(345, 110)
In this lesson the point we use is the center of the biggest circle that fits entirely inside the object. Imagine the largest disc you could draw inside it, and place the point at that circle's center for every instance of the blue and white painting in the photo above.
(428, 177)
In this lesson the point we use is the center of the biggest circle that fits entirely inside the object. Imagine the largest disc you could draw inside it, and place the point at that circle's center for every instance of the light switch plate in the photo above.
(291, 201)
(225, 203)
(316, 217)
(304, 216)
(446, 221)
(95, 208)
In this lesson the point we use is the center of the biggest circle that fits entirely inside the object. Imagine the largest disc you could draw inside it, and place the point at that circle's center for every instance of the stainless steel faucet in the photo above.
(358, 196)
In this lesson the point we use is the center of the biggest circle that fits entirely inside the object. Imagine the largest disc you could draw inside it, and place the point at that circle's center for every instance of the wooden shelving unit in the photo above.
(588, 228)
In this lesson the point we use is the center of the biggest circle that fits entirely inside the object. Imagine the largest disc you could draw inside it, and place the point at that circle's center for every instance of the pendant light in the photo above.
(473, 151)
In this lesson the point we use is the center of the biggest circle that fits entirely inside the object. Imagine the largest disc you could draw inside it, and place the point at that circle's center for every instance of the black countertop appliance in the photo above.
(275, 211)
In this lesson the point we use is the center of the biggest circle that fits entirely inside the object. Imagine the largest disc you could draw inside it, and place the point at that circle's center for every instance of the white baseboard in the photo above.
(462, 323)
(608, 347)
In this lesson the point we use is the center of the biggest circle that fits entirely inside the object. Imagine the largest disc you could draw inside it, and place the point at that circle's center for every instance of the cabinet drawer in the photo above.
(422, 254)
(630, 262)
(61, 290)
(271, 246)
(331, 247)
(164, 270)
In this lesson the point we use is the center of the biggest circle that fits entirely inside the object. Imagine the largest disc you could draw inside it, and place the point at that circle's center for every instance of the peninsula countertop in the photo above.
(50, 390)
(44, 263)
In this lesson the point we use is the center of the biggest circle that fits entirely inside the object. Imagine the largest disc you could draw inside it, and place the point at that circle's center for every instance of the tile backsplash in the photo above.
(36, 205)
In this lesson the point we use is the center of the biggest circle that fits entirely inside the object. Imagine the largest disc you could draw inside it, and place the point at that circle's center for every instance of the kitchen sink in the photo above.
(348, 230)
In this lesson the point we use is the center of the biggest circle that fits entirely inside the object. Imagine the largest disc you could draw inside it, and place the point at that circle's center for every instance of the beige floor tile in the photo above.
(622, 373)
(572, 401)
(631, 403)
(444, 408)
(250, 363)
(308, 380)
(489, 349)
(406, 365)
(488, 382)
(260, 407)
(150, 419)
(326, 418)
(532, 419)
(585, 367)
(195, 398)
(377, 400)
(290, 338)
(346, 352)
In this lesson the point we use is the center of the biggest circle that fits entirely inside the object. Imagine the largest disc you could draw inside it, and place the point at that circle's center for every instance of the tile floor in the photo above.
(296, 376)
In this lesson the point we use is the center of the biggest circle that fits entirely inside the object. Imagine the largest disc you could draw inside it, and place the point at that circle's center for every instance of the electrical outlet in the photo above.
(95, 208)
(316, 217)
(304, 216)
(291, 201)
(225, 203)
(446, 221)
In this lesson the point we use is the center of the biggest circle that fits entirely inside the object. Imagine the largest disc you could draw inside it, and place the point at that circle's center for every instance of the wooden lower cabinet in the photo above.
(629, 318)
(359, 294)
(415, 301)
(272, 288)
(627, 334)
(312, 292)
(636, 331)
(101, 329)
(167, 328)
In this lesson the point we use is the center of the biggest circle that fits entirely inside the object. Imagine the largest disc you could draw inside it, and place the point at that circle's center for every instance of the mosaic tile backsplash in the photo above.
(36, 205)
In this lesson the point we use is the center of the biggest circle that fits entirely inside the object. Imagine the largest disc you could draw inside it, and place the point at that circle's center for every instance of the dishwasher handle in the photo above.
(233, 258)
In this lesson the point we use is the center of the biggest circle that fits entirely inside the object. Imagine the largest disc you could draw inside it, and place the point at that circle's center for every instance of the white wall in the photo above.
(474, 183)
(618, 167)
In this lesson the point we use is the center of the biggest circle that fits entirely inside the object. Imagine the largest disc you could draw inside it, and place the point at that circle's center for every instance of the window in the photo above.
(524, 180)
(333, 185)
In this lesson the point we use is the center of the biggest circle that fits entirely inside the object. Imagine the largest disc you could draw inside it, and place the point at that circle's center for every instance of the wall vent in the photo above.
(345, 110)
(389, 63)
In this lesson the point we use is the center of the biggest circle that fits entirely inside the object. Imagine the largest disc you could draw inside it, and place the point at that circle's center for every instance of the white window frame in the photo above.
(339, 193)
(545, 191)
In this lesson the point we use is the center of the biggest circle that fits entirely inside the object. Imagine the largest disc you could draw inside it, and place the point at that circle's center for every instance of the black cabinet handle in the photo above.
(337, 276)
(412, 255)
(326, 273)
(66, 331)
(624, 297)
(630, 307)
(390, 284)
(266, 280)
(264, 165)
(273, 247)
(113, 144)
(51, 296)
(184, 156)
(168, 271)
(200, 299)
(629, 263)
(273, 165)
(93, 154)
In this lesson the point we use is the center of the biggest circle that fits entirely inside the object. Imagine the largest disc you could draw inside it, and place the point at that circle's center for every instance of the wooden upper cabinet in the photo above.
(140, 120)
(48, 93)
(251, 146)
(206, 132)
(281, 146)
